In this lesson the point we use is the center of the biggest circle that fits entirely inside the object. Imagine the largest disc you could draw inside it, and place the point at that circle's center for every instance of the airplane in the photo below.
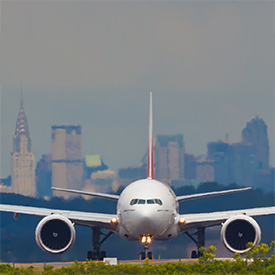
(147, 211)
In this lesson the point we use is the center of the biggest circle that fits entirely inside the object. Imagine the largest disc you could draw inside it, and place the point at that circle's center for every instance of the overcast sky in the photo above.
(209, 64)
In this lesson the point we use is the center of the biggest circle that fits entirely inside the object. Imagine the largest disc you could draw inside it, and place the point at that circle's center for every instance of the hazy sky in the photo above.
(209, 64)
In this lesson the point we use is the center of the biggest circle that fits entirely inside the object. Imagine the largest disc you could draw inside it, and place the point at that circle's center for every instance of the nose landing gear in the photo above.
(146, 254)
(146, 240)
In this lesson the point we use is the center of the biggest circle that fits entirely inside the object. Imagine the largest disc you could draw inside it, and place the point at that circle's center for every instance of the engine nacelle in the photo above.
(55, 234)
(239, 230)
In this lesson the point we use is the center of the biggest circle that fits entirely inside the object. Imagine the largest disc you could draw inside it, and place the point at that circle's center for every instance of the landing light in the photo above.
(114, 220)
(182, 220)
(146, 239)
(16, 216)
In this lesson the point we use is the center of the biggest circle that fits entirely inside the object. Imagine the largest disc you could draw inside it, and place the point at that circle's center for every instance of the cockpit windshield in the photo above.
(143, 201)
(158, 201)
(133, 201)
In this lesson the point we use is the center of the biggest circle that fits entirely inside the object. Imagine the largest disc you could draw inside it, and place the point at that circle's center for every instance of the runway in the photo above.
(139, 262)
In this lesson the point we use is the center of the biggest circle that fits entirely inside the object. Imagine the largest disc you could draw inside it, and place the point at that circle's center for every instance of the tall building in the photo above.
(199, 168)
(190, 167)
(66, 158)
(205, 169)
(233, 162)
(22, 158)
(43, 174)
(245, 162)
(221, 154)
(243, 165)
(255, 133)
(169, 157)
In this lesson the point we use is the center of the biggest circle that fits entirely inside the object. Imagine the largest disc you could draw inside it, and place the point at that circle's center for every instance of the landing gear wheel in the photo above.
(90, 255)
(150, 256)
(200, 241)
(96, 254)
(194, 254)
(102, 255)
(142, 255)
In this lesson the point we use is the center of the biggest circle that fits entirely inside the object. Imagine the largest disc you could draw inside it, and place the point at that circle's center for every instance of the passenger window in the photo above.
(133, 201)
(141, 201)
(150, 202)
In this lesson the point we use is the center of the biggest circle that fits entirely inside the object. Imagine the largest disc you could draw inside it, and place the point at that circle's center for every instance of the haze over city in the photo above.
(210, 66)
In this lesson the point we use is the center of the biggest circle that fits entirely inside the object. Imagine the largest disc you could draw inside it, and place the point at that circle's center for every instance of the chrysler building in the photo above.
(22, 158)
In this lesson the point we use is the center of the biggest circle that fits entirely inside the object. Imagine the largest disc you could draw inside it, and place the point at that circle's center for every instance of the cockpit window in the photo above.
(142, 201)
(133, 201)
(158, 201)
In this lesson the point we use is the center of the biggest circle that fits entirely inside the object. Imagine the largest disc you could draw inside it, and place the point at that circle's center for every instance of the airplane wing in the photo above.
(93, 194)
(78, 217)
(210, 194)
(194, 221)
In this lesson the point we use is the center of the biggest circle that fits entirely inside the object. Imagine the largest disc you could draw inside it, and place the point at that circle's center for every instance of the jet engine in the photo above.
(239, 230)
(55, 234)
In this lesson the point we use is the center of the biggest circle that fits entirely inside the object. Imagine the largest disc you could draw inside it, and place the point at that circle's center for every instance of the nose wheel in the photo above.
(145, 254)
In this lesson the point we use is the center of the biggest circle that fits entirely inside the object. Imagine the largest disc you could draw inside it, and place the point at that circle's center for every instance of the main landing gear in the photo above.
(96, 254)
(146, 240)
(200, 241)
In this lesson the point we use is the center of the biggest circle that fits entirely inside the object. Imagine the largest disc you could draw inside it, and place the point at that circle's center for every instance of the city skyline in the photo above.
(209, 65)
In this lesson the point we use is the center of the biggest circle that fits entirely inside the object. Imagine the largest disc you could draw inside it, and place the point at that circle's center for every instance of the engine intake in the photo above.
(55, 234)
(239, 230)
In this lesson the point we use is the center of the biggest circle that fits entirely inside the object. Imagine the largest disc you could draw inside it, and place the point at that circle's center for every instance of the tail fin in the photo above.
(150, 160)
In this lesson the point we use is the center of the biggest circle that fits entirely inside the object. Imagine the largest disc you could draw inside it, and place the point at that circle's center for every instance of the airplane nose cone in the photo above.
(145, 223)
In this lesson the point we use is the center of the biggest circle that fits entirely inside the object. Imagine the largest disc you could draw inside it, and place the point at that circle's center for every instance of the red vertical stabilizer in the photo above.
(150, 160)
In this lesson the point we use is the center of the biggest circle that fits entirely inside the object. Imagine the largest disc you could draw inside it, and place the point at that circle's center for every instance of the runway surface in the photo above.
(140, 262)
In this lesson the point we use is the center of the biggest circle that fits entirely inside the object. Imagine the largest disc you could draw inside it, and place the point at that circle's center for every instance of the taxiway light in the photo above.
(182, 220)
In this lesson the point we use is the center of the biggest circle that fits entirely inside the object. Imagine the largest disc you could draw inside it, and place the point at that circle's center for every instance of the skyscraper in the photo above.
(66, 158)
(233, 162)
(255, 133)
(169, 157)
(43, 174)
(245, 162)
(22, 158)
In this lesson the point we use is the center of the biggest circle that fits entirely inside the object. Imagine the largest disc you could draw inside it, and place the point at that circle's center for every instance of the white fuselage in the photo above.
(147, 208)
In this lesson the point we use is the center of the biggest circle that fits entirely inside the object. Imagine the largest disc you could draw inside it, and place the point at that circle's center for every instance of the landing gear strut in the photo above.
(200, 241)
(145, 254)
(96, 254)
(146, 240)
